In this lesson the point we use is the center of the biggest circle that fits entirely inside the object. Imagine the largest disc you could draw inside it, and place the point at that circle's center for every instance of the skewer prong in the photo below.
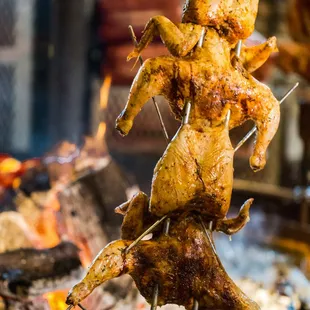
(155, 297)
(227, 119)
(163, 127)
(196, 305)
(202, 37)
(253, 130)
(167, 226)
(207, 234)
(187, 112)
(148, 231)
(238, 48)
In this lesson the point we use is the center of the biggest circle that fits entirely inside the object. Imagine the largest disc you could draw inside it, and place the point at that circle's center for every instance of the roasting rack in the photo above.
(208, 231)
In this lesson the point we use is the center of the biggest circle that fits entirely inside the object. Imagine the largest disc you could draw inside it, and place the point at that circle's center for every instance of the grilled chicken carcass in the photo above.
(213, 84)
(183, 264)
(234, 20)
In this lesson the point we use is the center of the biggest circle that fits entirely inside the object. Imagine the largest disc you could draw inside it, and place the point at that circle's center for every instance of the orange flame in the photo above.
(56, 300)
(104, 92)
(104, 98)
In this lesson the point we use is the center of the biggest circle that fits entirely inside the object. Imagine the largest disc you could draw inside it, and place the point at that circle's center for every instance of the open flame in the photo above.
(104, 98)
(40, 210)
(56, 300)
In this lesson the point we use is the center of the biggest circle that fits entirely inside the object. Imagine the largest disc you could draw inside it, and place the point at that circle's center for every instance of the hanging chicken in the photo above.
(192, 182)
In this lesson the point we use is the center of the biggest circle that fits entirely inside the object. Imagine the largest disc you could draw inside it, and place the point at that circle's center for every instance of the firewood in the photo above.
(31, 272)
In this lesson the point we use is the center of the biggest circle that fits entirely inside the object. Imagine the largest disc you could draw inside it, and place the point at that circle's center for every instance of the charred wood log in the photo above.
(87, 207)
(31, 272)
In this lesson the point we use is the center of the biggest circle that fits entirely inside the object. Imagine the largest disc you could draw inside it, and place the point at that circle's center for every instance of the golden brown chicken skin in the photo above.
(195, 172)
(183, 264)
(234, 19)
(213, 85)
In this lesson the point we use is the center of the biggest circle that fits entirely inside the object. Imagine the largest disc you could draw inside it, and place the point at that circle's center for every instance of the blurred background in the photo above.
(63, 81)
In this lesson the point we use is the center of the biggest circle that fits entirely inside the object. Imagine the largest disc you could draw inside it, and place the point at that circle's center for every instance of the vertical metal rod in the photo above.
(155, 297)
(163, 127)
(196, 305)
(238, 48)
(253, 130)
(167, 226)
(188, 106)
(227, 119)
(156, 288)
(202, 37)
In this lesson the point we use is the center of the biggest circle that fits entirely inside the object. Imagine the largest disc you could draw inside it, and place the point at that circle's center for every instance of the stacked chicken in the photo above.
(192, 182)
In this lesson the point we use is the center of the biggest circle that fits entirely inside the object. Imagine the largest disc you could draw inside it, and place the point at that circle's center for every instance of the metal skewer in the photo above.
(238, 48)
(253, 130)
(155, 297)
(207, 233)
(79, 305)
(134, 39)
(196, 305)
(148, 231)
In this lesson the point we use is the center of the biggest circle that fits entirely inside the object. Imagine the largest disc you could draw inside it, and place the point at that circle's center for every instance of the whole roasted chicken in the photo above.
(183, 264)
(214, 86)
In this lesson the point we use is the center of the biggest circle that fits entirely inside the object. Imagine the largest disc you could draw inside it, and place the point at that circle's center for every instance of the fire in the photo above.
(101, 130)
(104, 98)
(104, 92)
(56, 300)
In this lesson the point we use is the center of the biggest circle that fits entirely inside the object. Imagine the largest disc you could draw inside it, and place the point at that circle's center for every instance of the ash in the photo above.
(269, 277)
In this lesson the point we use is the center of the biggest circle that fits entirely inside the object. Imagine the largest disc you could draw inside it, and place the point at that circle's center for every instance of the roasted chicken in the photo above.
(234, 20)
(183, 264)
(208, 78)
(180, 39)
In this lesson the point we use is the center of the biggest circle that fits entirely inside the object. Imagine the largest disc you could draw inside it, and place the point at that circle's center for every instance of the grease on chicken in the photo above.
(183, 264)
(213, 84)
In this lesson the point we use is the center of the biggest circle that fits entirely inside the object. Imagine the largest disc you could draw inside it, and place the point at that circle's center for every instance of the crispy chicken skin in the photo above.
(195, 172)
(183, 264)
(234, 19)
(213, 84)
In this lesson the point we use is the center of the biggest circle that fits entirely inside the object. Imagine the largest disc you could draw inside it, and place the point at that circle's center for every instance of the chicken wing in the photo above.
(183, 264)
